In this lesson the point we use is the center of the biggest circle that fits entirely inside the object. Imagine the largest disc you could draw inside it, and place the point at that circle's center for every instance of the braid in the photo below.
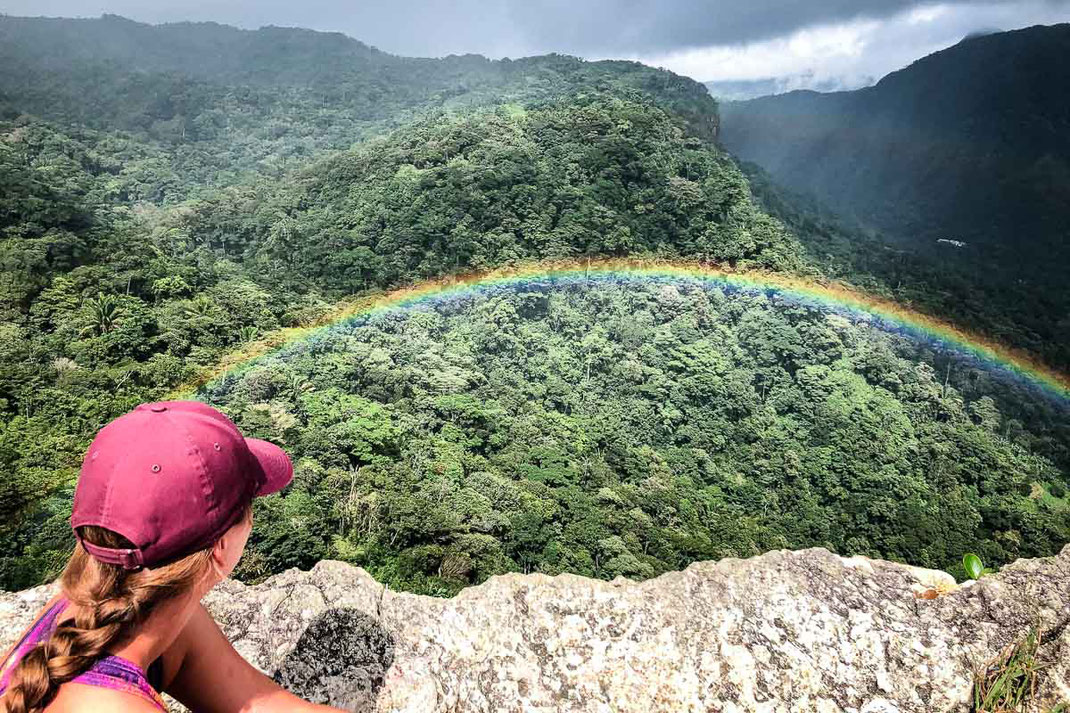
(68, 652)
(108, 603)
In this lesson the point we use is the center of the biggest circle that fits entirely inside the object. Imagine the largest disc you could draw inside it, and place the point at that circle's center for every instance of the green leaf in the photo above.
(973, 565)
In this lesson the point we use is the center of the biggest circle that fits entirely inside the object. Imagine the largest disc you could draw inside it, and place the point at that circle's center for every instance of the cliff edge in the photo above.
(786, 631)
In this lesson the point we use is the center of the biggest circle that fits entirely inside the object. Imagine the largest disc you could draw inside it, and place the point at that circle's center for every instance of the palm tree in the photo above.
(104, 313)
(200, 306)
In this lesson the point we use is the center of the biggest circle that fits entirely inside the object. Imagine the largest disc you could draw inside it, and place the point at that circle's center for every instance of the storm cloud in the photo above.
(855, 53)
(711, 39)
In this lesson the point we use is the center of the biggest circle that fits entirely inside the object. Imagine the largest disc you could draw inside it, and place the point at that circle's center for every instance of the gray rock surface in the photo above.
(786, 631)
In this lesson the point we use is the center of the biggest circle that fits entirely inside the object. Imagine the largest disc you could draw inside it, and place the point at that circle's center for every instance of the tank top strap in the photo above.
(117, 674)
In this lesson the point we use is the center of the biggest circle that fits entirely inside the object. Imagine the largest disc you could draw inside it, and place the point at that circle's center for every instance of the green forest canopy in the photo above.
(109, 301)
(151, 221)
(632, 428)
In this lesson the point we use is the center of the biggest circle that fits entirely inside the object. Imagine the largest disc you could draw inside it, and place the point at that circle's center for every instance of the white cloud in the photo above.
(855, 53)
(926, 13)
(805, 51)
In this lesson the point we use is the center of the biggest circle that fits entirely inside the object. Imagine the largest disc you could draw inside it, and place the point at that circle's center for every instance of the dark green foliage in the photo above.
(125, 275)
(630, 429)
(239, 182)
(600, 176)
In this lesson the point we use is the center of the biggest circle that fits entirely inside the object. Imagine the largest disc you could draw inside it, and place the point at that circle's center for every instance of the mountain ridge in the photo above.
(221, 106)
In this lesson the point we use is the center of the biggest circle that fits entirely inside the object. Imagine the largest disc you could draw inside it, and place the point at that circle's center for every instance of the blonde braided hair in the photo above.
(108, 604)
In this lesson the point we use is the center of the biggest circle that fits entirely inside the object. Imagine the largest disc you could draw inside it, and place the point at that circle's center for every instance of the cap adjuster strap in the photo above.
(125, 558)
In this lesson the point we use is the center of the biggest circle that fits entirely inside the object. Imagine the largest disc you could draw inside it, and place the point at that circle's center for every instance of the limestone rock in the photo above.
(786, 631)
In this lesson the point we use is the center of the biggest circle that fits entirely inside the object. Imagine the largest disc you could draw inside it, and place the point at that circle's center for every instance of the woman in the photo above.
(162, 512)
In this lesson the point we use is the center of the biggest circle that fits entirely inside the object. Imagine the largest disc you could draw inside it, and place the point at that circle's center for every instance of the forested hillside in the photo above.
(630, 428)
(961, 163)
(171, 194)
(134, 258)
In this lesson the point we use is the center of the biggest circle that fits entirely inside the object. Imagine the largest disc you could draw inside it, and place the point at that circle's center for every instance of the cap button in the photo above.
(158, 409)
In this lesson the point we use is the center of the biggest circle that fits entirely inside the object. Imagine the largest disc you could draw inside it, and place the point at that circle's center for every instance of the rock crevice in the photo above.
(786, 631)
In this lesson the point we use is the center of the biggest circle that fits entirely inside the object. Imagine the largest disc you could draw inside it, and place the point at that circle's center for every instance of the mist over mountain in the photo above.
(950, 179)
(265, 99)
(743, 89)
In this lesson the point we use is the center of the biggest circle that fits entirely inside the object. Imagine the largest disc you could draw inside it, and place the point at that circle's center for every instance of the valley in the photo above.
(506, 315)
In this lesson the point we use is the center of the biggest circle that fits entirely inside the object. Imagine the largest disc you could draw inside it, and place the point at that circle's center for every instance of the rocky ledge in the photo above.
(786, 631)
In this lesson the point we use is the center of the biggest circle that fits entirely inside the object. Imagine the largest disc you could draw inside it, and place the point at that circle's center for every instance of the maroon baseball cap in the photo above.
(171, 477)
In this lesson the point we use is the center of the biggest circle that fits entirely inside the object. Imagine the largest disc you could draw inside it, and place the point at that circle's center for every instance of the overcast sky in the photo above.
(822, 43)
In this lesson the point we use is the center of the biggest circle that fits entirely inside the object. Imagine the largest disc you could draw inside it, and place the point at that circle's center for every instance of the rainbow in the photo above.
(825, 295)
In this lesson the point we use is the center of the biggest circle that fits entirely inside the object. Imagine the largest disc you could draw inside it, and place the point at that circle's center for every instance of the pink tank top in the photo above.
(112, 672)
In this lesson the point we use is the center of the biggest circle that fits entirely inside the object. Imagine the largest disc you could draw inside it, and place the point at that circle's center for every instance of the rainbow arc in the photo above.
(829, 296)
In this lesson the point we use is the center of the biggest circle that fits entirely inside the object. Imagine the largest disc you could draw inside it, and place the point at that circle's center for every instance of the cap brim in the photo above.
(276, 465)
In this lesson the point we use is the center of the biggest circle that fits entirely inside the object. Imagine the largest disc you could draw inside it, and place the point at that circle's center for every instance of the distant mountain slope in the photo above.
(971, 144)
(207, 50)
(228, 102)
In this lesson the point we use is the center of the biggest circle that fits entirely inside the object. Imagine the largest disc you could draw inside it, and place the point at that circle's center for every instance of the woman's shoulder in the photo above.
(80, 698)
